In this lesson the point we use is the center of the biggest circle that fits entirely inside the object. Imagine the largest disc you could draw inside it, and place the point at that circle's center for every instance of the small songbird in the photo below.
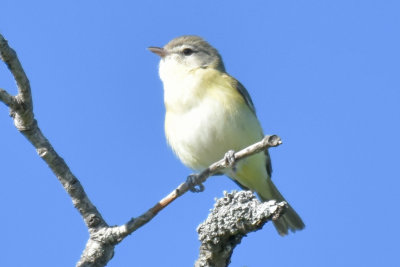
(208, 112)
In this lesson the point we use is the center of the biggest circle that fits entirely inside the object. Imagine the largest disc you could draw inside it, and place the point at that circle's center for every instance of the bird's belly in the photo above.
(206, 132)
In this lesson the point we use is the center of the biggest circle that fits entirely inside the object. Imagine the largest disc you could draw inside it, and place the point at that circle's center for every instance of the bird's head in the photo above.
(185, 54)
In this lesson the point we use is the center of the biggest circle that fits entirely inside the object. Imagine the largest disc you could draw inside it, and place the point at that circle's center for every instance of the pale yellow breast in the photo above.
(208, 119)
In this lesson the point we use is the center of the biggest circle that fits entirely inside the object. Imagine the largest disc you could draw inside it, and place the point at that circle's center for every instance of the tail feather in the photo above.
(290, 220)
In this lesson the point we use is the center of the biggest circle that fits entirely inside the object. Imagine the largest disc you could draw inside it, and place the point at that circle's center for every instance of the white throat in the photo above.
(181, 85)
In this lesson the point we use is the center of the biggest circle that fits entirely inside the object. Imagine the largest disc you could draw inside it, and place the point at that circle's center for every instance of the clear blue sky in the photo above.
(324, 75)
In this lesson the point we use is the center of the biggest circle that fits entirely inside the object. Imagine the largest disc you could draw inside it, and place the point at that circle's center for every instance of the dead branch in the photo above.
(233, 217)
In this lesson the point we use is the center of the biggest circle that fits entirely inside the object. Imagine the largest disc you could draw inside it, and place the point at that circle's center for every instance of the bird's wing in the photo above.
(269, 164)
(243, 92)
(246, 96)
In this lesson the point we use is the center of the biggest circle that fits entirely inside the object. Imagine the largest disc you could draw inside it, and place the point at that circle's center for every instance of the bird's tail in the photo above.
(290, 220)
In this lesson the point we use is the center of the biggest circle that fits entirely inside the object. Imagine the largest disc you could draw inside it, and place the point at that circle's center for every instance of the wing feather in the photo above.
(247, 98)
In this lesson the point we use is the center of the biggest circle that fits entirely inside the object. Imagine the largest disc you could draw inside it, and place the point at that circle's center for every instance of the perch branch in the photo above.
(267, 142)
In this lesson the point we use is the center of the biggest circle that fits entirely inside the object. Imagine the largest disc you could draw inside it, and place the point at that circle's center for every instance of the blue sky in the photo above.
(324, 75)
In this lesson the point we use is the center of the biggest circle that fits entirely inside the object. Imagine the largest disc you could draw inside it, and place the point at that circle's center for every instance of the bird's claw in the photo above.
(230, 160)
(194, 186)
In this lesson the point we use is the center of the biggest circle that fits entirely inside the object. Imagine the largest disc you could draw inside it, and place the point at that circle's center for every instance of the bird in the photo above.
(209, 112)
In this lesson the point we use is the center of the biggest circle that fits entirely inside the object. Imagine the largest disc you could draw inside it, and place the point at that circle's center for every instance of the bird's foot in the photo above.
(194, 185)
(230, 160)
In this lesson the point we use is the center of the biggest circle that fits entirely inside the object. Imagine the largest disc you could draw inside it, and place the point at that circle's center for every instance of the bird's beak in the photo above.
(158, 50)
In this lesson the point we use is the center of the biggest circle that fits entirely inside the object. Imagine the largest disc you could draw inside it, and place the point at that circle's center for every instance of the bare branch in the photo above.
(217, 167)
(22, 112)
(107, 237)
(23, 119)
(233, 217)
(8, 55)
(7, 99)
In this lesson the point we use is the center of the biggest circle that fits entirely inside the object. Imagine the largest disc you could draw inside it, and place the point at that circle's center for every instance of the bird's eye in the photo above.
(187, 51)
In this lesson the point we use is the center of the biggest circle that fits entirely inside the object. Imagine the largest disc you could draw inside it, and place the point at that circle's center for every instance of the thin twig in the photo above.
(7, 99)
(8, 55)
(267, 142)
